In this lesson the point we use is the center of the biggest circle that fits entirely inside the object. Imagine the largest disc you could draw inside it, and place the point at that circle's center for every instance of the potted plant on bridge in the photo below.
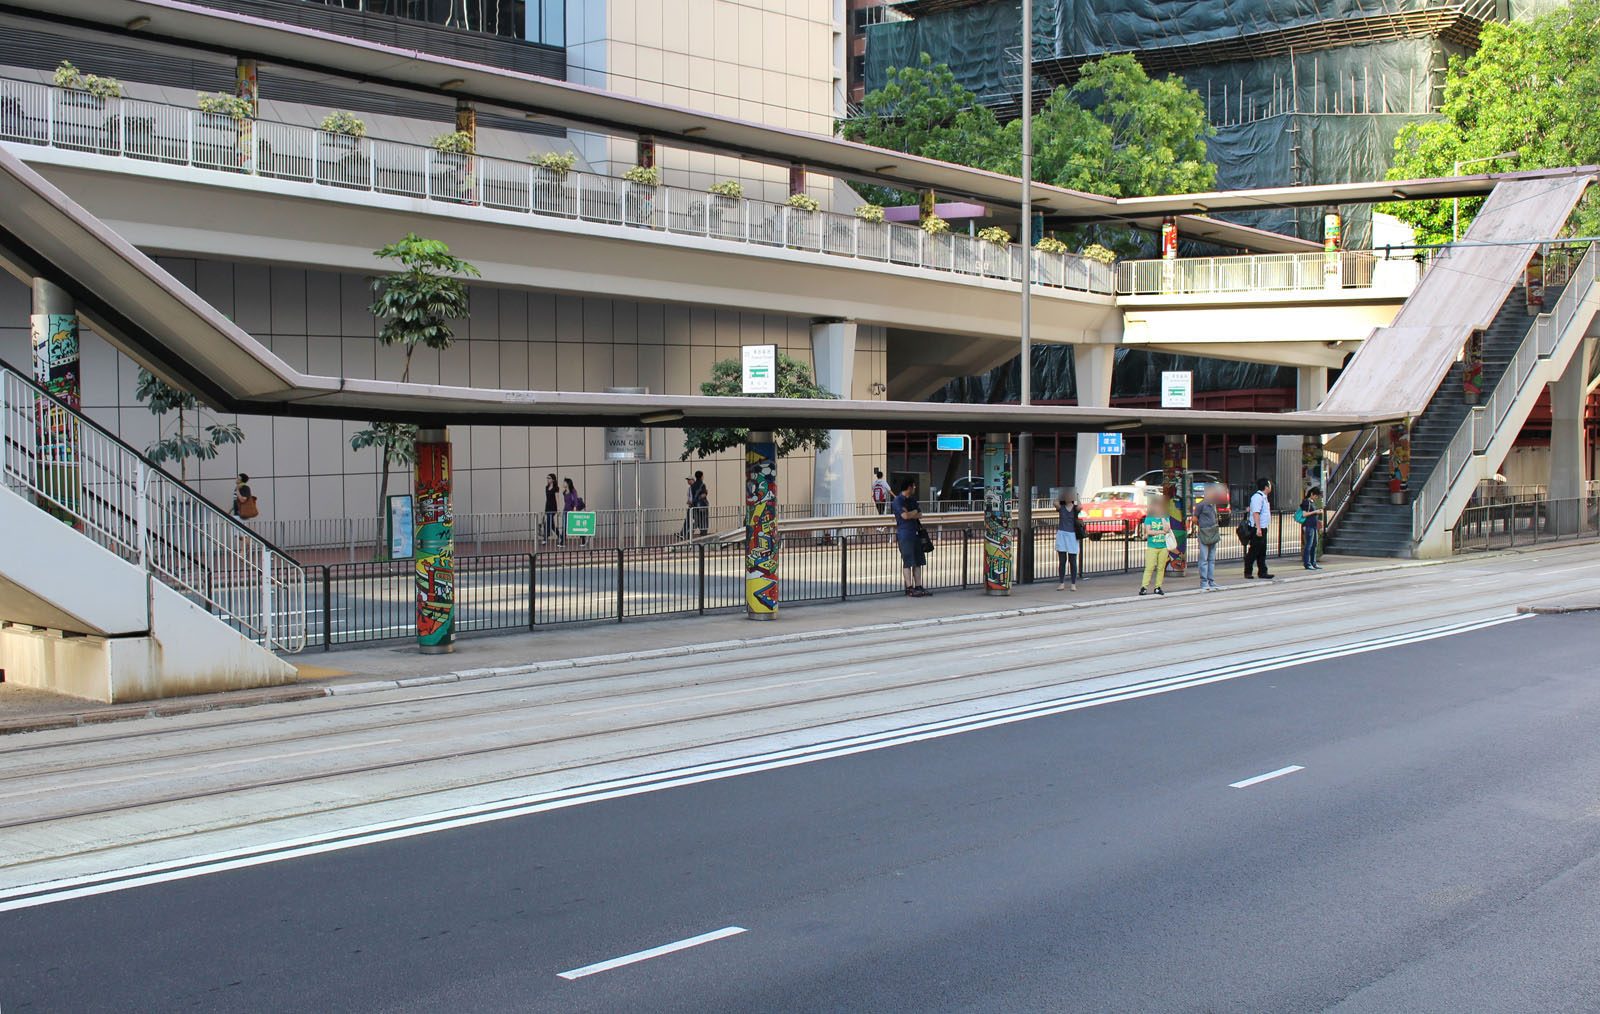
(640, 193)
(550, 192)
(453, 163)
(344, 164)
(82, 119)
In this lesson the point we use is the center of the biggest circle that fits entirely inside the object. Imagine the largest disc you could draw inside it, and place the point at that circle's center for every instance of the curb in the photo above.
(1560, 610)
(159, 709)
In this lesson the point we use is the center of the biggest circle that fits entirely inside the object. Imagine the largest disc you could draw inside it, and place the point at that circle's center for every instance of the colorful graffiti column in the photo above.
(1174, 469)
(55, 366)
(247, 86)
(436, 569)
(760, 526)
(997, 541)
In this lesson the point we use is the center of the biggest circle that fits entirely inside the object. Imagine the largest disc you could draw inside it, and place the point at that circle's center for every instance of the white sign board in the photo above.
(627, 443)
(760, 369)
(1177, 389)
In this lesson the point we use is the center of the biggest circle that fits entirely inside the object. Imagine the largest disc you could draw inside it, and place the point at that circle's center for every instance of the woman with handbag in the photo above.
(1158, 542)
(1069, 537)
(1208, 536)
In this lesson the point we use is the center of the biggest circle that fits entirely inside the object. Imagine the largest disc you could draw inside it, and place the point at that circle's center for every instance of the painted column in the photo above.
(833, 350)
(1472, 375)
(1092, 373)
(760, 526)
(1311, 387)
(997, 545)
(436, 549)
(247, 86)
(1169, 254)
(1399, 461)
(1174, 483)
(53, 330)
(797, 179)
(1332, 243)
(1568, 399)
(467, 123)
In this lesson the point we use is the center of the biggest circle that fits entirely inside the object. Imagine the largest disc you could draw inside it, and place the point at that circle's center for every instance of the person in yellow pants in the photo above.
(1157, 526)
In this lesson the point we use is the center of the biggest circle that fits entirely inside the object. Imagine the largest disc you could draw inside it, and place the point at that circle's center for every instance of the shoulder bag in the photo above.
(924, 540)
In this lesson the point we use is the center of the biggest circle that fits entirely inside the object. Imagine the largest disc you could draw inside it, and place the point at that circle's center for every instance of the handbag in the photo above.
(924, 541)
(1172, 542)
(247, 507)
(1208, 536)
(1243, 531)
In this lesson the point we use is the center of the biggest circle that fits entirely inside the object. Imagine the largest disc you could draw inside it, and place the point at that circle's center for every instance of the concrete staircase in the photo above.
(1375, 527)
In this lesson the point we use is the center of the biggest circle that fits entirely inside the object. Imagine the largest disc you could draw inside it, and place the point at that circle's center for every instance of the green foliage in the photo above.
(1096, 252)
(1050, 244)
(416, 304)
(458, 142)
(557, 162)
(1117, 132)
(182, 444)
(645, 176)
(794, 381)
(805, 202)
(397, 442)
(341, 122)
(1533, 87)
(727, 188)
(225, 105)
(68, 76)
(994, 234)
(933, 225)
(870, 212)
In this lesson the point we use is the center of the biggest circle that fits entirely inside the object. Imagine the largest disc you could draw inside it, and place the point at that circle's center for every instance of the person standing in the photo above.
(908, 534)
(1157, 531)
(1069, 537)
(1310, 527)
(881, 493)
(1258, 521)
(1208, 536)
(570, 501)
(700, 498)
(688, 509)
(551, 490)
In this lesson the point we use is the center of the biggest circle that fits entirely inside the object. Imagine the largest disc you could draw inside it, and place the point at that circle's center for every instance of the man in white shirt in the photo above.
(881, 493)
(1258, 520)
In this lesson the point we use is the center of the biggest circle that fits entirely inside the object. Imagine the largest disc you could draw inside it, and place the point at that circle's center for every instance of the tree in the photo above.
(396, 444)
(417, 304)
(1532, 87)
(182, 444)
(794, 381)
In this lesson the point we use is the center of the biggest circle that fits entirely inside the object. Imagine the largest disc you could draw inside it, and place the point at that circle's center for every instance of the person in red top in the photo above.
(881, 493)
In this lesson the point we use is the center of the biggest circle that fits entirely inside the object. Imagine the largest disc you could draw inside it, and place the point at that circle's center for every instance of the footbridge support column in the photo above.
(1092, 367)
(53, 330)
(436, 545)
(1311, 387)
(1568, 398)
(760, 526)
(833, 350)
(997, 539)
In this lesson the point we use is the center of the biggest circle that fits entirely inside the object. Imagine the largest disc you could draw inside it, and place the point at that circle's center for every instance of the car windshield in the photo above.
(1113, 494)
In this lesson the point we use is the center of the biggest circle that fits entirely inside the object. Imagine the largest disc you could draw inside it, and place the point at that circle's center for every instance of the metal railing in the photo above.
(1255, 273)
(77, 471)
(1483, 422)
(40, 114)
(1352, 472)
(1527, 522)
(375, 601)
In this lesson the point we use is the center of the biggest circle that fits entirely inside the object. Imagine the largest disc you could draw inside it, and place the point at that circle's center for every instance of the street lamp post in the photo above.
(1024, 467)
(1455, 202)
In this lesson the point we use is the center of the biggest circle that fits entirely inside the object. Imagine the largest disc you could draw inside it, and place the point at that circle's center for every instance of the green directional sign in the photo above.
(580, 523)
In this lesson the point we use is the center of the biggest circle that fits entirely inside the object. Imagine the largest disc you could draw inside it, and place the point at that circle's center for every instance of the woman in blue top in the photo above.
(1157, 526)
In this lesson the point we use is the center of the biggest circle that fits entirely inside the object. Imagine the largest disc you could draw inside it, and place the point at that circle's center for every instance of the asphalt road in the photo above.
(1438, 850)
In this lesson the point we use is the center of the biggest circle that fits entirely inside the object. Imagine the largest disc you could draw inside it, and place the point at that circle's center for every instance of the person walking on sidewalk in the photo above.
(570, 501)
(1257, 522)
(687, 531)
(700, 500)
(1069, 537)
(908, 535)
(1208, 536)
(881, 493)
(1158, 542)
(552, 489)
(1310, 518)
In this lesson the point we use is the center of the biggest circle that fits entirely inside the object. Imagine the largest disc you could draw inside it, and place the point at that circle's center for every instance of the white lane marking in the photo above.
(654, 952)
(88, 885)
(143, 775)
(1258, 779)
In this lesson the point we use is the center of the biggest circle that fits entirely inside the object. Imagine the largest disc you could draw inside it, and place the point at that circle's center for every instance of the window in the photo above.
(861, 17)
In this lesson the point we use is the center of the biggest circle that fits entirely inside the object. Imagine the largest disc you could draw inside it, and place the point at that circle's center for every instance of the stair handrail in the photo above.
(1352, 473)
(1484, 421)
(126, 503)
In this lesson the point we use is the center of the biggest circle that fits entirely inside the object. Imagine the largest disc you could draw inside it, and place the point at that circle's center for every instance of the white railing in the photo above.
(82, 474)
(39, 114)
(1299, 272)
(1353, 470)
(1478, 430)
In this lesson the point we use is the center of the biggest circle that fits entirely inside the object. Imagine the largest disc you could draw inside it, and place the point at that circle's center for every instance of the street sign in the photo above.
(1247, 448)
(580, 522)
(627, 443)
(1110, 443)
(1177, 389)
(402, 527)
(949, 442)
(760, 369)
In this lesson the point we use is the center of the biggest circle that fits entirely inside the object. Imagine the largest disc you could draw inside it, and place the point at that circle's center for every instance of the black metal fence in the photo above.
(355, 603)
(1526, 523)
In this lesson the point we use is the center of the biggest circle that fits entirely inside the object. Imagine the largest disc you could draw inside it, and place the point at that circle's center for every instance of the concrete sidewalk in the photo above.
(357, 670)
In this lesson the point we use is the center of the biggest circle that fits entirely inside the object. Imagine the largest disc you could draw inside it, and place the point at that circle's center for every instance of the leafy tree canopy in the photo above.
(794, 381)
(1532, 87)
(417, 304)
(202, 442)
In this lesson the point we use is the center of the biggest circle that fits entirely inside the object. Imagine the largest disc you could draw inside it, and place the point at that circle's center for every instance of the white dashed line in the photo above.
(1291, 769)
(654, 952)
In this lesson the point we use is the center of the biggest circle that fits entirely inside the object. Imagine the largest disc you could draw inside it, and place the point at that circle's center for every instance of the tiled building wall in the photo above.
(318, 322)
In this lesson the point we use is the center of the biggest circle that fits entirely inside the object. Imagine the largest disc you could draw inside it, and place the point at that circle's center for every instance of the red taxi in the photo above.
(1115, 510)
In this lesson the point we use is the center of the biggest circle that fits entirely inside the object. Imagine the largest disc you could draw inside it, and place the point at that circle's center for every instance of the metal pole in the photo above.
(1024, 466)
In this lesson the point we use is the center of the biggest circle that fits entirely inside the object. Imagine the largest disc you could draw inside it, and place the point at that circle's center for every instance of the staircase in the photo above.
(1372, 526)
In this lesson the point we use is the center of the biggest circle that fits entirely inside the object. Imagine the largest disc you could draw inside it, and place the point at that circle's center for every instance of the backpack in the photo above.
(1299, 515)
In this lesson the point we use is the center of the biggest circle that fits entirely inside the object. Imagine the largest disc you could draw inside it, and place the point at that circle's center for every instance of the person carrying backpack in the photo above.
(1310, 517)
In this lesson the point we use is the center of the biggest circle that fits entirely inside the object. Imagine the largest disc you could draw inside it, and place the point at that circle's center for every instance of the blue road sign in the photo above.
(949, 442)
(1111, 443)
